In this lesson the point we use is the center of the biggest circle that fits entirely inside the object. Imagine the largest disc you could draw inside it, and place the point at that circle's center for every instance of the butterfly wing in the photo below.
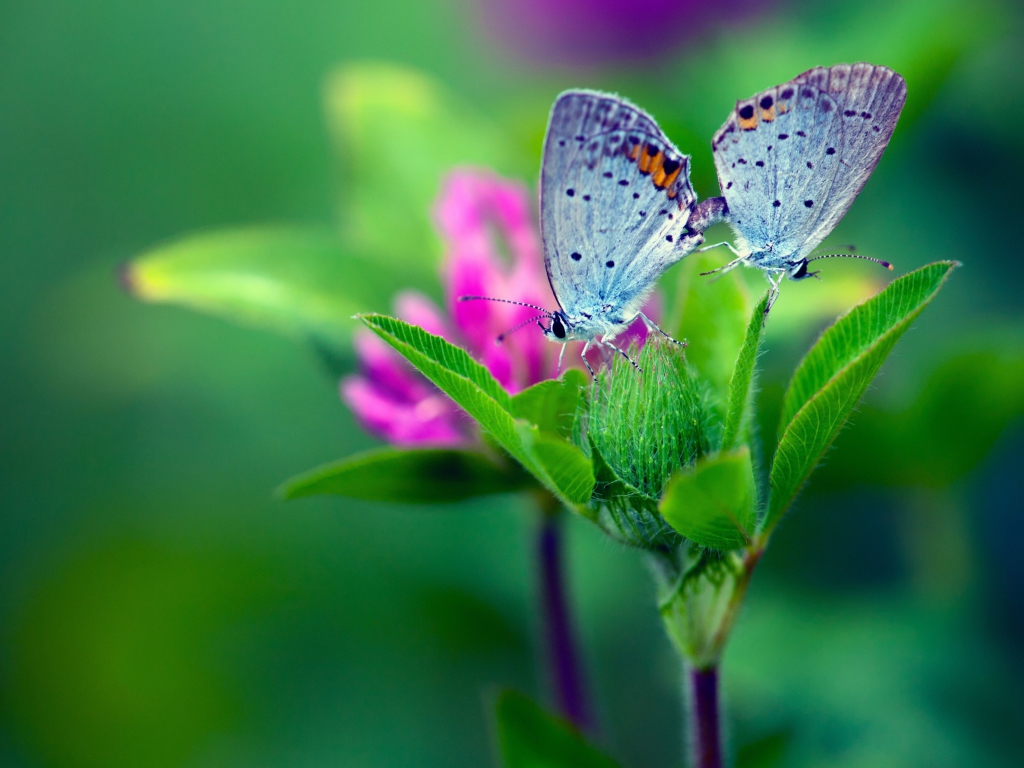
(792, 159)
(871, 99)
(615, 199)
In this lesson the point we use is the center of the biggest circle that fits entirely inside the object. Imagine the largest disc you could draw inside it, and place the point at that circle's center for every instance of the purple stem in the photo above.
(705, 731)
(564, 667)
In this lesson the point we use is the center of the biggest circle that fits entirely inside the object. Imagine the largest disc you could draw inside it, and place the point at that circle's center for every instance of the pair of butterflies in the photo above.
(617, 207)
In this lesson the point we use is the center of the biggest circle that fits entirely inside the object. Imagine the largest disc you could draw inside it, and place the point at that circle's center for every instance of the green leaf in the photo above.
(565, 468)
(557, 463)
(737, 416)
(711, 314)
(529, 737)
(552, 405)
(833, 376)
(301, 282)
(713, 503)
(399, 132)
(422, 476)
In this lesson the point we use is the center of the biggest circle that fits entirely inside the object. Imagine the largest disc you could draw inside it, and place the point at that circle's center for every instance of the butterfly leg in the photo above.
(718, 245)
(726, 267)
(561, 355)
(586, 362)
(653, 326)
(773, 293)
(607, 342)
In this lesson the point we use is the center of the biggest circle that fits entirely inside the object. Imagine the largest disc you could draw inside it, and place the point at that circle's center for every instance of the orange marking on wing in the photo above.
(634, 153)
(655, 165)
(749, 124)
(670, 179)
(659, 178)
(783, 108)
(768, 114)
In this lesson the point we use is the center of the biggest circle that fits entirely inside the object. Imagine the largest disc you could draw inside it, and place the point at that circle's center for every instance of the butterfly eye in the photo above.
(558, 328)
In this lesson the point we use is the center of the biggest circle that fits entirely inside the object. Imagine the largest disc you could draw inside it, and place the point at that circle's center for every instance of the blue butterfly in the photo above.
(792, 159)
(616, 208)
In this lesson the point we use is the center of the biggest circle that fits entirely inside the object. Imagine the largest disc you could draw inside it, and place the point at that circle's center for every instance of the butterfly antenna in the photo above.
(505, 301)
(885, 264)
(523, 324)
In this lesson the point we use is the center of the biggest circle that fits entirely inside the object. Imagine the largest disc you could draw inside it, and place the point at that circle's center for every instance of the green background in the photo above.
(159, 608)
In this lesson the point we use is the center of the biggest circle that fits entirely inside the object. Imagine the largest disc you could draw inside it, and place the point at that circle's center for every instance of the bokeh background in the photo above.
(159, 608)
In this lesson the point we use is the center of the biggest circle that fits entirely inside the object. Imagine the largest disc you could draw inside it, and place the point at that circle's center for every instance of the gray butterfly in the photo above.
(615, 201)
(792, 159)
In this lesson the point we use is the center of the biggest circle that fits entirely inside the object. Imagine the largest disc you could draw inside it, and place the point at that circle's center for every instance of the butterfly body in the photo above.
(792, 159)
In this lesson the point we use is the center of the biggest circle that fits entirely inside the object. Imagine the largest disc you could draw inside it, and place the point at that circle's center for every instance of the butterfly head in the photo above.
(799, 271)
(559, 329)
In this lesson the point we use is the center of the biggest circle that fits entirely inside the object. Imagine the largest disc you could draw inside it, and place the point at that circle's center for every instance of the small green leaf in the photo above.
(555, 462)
(552, 405)
(301, 282)
(738, 415)
(566, 469)
(711, 314)
(833, 376)
(713, 503)
(399, 132)
(529, 737)
(422, 476)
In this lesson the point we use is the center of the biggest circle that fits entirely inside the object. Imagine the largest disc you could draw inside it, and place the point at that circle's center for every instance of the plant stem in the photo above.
(705, 726)
(564, 665)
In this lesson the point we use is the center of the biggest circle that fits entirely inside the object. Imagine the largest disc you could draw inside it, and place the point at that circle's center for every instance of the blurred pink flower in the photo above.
(479, 216)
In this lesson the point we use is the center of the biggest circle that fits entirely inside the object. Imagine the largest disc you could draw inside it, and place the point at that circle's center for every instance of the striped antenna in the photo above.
(506, 301)
(885, 264)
